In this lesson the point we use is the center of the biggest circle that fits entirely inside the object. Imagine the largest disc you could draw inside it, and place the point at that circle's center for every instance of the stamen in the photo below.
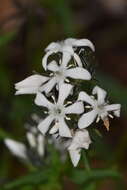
(69, 102)
(81, 50)
(68, 118)
(45, 112)
(71, 65)
(98, 119)
(54, 100)
(67, 80)
(111, 116)
(88, 107)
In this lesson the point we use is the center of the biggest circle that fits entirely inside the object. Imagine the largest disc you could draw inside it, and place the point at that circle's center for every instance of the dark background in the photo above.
(26, 28)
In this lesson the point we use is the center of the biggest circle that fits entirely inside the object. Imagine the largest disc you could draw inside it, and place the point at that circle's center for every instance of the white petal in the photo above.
(78, 73)
(31, 139)
(81, 139)
(31, 81)
(49, 85)
(65, 59)
(75, 156)
(41, 100)
(77, 59)
(101, 94)
(84, 42)
(18, 149)
(70, 41)
(115, 108)
(52, 46)
(41, 145)
(76, 108)
(117, 113)
(45, 59)
(32, 90)
(64, 91)
(83, 96)
(54, 129)
(45, 124)
(53, 66)
(64, 131)
(86, 119)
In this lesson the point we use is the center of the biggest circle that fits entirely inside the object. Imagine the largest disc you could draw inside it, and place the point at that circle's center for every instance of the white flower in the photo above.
(100, 108)
(61, 72)
(16, 148)
(58, 111)
(36, 141)
(81, 139)
(67, 47)
(30, 85)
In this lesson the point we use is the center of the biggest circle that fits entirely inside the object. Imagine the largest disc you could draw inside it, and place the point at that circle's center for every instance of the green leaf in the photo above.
(5, 38)
(34, 178)
(3, 134)
(84, 177)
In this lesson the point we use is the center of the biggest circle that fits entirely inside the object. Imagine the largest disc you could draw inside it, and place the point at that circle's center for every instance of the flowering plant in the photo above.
(63, 92)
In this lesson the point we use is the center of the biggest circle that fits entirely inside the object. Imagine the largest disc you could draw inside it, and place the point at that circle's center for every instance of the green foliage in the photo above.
(84, 177)
(6, 38)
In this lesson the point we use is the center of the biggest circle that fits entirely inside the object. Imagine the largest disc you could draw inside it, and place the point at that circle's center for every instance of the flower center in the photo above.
(60, 74)
(57, 111)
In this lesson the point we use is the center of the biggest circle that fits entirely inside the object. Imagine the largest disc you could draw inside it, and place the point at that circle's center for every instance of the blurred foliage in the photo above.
(20, 54)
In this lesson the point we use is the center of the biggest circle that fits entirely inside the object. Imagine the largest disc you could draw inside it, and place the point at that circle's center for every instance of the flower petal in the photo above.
(31, 81)
(65, 59)
(16, 148)
(78, 73)
(77, 59)
(64, 91)
(32, 90)
(45, 124)
(31, 139)
(53, 66)
(41, 100)
(115, 108)
(86, 119)
(83, 96)
(45, 59)
(76, 108)
(64, 131)
(54, 129)
(117, 113)
(49, 85)
(52, 46)
(75, 156)
(84, 42)
(70, 41)
(101, 94)
(41, 147)
(30, 85)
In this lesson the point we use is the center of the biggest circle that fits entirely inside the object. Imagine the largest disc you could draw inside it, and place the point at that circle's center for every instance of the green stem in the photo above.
(87, 166)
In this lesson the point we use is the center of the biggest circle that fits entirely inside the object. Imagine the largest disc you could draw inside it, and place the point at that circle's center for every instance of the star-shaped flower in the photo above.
(81, 139)
(58, 111)
(100, 108)
(61, 72)
(67, 47)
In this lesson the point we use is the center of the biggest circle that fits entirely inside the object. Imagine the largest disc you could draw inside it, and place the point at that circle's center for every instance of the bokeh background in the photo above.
(26, 28)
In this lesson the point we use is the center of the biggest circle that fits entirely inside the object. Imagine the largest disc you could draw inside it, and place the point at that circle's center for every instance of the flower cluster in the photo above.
(68, 116)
